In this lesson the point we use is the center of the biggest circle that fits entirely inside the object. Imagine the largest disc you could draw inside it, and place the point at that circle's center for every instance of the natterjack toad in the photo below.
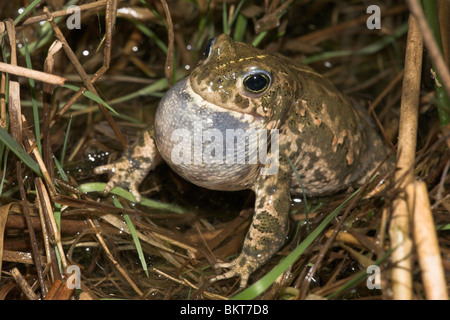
(234, 123)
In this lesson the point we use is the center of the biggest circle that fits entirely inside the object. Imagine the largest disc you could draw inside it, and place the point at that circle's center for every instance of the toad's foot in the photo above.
(134, 165)
(123, 176)
(242, 266)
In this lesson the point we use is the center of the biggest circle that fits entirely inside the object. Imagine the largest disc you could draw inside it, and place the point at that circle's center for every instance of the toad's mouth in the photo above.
(183, 94)
(229, 105)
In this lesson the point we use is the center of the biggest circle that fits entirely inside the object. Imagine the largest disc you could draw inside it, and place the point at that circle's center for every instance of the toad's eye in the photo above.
(208, 47)
(257, 81)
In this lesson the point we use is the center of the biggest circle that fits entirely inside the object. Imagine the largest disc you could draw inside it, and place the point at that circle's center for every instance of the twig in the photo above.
(65, 12)
(19, 257)
(47, 152)
(59, 291)
(49, 219)
(427, 246)
(171, 38)
(23, 284)
(14, 106)
(110, 20)
(33, 74)
(45, 236)
(399, 230)
(67, 226)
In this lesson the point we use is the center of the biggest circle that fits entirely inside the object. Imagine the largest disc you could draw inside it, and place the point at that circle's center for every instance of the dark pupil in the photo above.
(208, 47)
(256, 82)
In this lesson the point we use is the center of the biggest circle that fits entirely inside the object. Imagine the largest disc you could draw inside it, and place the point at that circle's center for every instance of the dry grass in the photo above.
(164, 249)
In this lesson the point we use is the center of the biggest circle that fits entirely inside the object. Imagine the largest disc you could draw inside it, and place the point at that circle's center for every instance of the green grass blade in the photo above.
(369, 49)
(100, 186)
(226, 26)
(236, 13)
(155, 12)
(91, 96)
(26, 10)
(259, 38)
(5, 162)
(60, 169)
(265, 282)
(57, 215)
(9, 141)
(80, 107)
(63, 153)
(241, 27)
(154, 89)
(135, 237)
(224, 17)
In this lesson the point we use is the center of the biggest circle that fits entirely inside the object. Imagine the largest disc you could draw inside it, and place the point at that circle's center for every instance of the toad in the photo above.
(243, 119)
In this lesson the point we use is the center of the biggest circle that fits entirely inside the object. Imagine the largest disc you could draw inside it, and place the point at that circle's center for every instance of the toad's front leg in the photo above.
(268, 229)
(133, 166)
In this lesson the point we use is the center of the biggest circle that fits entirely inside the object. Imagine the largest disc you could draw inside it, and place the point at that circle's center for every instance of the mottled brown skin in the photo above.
(331, 143)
